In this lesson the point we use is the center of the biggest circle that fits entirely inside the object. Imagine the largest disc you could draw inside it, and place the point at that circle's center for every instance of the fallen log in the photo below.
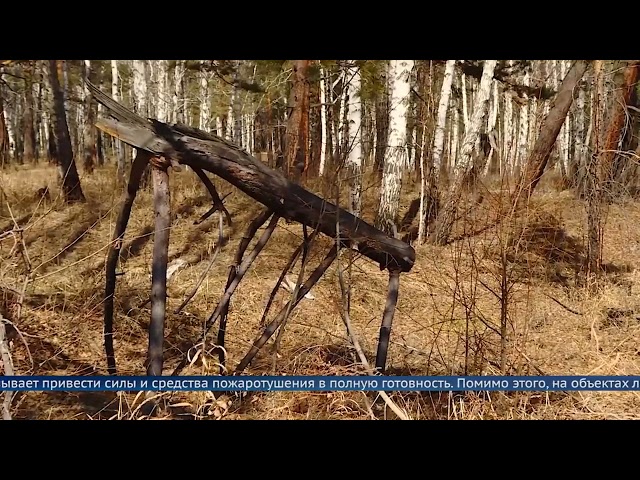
(270, 187)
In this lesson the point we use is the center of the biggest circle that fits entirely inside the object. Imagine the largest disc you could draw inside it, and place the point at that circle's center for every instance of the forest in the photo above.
(323, 218)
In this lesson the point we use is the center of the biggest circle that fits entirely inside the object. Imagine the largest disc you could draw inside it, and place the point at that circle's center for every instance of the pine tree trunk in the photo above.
(70, 179)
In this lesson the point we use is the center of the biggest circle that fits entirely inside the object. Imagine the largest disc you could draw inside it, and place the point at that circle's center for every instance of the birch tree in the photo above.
(549, 131)
(395, 158)
(428, 175)
(354, 159)
(464, 166)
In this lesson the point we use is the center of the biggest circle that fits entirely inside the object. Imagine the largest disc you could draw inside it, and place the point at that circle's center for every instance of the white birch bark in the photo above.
(465, 106)
(443, 106)
(462, 170)
(399, 71)
(354, 159)
(523, 127)
(178, 93)
(140, 88)
(563, 140)
(163, 91)
(506, 166)
(493, 121)
(115, 94)
(323, 122)
(230, 120)
(219, 131)
(340, 123)
(205, 102)
(454, 123)
(581, 143)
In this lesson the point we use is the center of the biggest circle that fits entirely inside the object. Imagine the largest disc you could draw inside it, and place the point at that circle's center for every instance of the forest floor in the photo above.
(448, 307)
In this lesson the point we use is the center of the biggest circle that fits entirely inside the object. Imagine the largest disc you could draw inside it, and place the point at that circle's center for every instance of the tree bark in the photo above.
(71, 187)
(90, 151)
(549, 131)
(297, 145)
(267, 186)
(464, 169)
(616, 121)
(29, 143)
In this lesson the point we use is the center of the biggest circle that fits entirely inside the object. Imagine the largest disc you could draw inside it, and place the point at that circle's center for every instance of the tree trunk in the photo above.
(90, 152)
(4, 135)
(354, 160)
(593, 190)
(609, 168)
(69, 174)
(29, 139)
(549, 131)
(464, 168)
(396, 158)
(382, 124)
(297, 147)
(429, 175)
(119, 146)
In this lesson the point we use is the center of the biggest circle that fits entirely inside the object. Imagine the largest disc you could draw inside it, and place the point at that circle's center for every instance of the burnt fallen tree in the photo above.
(162, 146)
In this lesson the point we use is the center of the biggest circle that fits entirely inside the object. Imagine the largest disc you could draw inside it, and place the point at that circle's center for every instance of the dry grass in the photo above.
(442, 324)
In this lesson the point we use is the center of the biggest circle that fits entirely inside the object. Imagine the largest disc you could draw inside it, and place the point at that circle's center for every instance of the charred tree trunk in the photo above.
(69, 174)
(269, 187)
(137, 169)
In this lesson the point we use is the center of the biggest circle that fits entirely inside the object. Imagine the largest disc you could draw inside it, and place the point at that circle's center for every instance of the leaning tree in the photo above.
(163, 146)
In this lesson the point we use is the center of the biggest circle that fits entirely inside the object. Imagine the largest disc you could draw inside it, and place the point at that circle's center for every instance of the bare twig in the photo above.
(563, 305)
(242, 248)
(137, 169)
(216, 251)
(285, 270)
(235, 276)
(304, 289)
(294, 293)
(217, 201)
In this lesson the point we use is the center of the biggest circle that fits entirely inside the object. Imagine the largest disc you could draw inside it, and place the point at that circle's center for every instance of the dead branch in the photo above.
(569, 309)
(346, 319)
(242, 247)
(270, 187)
(137, 169)
(216, 251)
(210, 212)
(294, 257)
(304, 289)
(236, 273)
(217, 201)
(294, 293)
